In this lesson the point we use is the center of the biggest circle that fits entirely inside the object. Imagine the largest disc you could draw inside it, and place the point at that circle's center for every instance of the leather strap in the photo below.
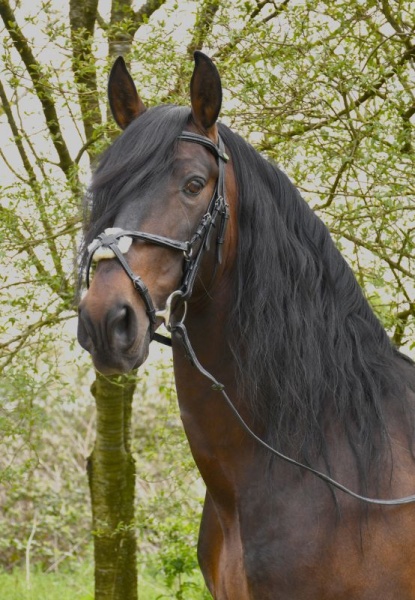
(179, 331)
(218, 150)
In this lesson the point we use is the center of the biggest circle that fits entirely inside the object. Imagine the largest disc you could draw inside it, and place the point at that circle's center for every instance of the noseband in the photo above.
(193, 249)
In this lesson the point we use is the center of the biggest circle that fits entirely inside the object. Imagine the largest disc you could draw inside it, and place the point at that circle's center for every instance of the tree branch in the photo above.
(82, 16)
(21, 339)
(368, 246)
(120, 39)
(368, 94)
(393, 22)
(35, 72)
(227, 48)
(7, 216)
(402, 318)
(203, 25)
(145, 12)
(34, 184)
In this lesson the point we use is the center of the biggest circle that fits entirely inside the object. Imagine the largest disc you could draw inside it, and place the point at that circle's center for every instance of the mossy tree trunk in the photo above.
(111, 471)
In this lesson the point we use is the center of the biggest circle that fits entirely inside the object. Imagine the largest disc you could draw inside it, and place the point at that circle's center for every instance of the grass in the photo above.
(62, 585)
(78, 584)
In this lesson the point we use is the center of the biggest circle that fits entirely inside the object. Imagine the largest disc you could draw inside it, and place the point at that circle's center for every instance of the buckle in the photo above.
(165, 313)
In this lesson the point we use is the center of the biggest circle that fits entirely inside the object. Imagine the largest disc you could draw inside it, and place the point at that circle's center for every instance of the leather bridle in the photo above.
(193, 251)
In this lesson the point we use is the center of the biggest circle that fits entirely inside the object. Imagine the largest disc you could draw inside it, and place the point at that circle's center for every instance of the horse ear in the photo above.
(125, 103)
(205, 92)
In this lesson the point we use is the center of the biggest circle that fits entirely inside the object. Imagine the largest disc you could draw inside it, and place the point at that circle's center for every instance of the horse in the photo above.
(298, 409)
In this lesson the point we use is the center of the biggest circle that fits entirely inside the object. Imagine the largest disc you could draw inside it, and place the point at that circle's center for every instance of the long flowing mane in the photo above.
(313, 350)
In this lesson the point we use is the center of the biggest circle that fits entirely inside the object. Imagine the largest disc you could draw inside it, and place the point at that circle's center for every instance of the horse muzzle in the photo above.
(117, 337)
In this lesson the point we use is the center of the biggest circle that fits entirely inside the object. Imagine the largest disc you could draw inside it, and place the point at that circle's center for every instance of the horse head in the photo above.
(157, 197)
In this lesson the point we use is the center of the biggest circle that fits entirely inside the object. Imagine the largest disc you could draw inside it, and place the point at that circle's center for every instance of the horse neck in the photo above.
(214, 435)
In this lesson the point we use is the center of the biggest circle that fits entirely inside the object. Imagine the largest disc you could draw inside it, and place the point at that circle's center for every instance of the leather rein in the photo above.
(193, 252)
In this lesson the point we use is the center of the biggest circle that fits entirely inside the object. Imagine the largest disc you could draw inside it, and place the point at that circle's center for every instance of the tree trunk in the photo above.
(111, 472)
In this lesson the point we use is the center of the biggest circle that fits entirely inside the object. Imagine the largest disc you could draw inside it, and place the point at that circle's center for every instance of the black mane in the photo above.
(313, 350)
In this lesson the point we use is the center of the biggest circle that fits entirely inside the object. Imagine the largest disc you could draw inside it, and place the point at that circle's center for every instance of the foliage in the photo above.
(65, 585)
(167, 522)
(45, 507)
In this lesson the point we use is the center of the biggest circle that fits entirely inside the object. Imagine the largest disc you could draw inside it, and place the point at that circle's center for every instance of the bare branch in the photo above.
(367, 95)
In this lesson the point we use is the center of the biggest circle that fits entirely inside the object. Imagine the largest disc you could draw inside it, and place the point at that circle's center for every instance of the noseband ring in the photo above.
(193, 249)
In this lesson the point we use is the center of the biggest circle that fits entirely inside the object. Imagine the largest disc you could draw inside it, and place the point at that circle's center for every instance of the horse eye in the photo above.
(193, 187)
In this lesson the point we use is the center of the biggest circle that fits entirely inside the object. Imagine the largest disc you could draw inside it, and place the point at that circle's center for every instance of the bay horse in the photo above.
(279, 360)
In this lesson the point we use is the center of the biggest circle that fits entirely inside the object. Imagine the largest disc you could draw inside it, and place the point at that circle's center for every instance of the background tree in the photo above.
(323, 88)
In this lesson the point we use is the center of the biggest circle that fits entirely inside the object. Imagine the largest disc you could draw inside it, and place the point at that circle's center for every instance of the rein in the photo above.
(180, 331)
(193, 251)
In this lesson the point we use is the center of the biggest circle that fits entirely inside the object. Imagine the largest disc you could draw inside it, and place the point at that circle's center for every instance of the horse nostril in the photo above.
(122, 325)
(114, 331)
(86, 331)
